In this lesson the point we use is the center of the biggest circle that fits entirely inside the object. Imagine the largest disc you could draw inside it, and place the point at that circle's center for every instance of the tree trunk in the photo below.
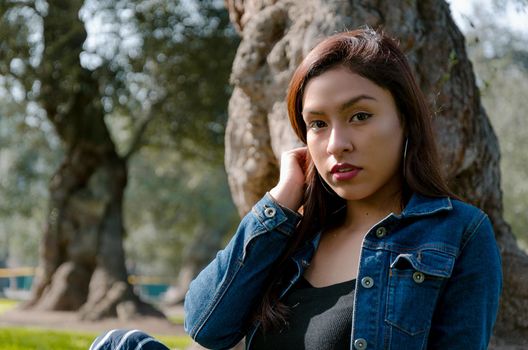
(276, 34)
(82, 262)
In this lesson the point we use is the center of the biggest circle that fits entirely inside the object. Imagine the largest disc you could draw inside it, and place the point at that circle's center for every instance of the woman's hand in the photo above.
(290, 189)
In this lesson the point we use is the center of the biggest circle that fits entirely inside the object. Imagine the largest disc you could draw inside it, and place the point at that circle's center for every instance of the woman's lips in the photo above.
(344, 171)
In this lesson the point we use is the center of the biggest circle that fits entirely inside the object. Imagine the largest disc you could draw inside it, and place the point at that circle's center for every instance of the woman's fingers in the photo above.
(290, 189)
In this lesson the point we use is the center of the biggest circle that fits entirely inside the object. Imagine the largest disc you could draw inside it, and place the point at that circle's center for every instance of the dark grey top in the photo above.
(320, 319)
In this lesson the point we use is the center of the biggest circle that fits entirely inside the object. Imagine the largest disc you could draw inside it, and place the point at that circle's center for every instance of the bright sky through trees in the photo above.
(514, 17)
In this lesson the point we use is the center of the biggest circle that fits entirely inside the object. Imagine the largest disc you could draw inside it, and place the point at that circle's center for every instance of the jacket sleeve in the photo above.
(222, 296)
(467, 308)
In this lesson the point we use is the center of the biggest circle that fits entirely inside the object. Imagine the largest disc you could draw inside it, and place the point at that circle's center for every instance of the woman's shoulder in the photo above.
(467, 211)
(420, 204)
(447, 214)
(465, 215)
(447, 222)
(473, 219)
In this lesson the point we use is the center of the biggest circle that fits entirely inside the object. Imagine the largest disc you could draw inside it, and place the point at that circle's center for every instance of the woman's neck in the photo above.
(363, 214)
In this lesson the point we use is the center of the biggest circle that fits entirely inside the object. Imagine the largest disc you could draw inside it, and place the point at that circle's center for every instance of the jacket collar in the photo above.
(420, 205)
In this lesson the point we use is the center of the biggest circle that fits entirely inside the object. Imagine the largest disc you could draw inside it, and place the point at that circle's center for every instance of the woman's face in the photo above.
(354, 135)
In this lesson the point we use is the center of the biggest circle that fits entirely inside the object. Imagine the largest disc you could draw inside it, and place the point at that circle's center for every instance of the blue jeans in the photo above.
(123, 339)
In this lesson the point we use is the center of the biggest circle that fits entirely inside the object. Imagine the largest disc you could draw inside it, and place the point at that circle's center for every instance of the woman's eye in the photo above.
(317, 124)
(361, 116)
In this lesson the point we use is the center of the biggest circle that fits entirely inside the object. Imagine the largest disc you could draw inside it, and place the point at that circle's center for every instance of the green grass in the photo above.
(177, 319)
(17, 338)
(40, 339)
(13, 338)
(7, 304)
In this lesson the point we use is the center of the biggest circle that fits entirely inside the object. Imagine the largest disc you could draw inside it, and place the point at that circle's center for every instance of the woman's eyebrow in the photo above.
(344, 106)
(312, 112)
(355, 100)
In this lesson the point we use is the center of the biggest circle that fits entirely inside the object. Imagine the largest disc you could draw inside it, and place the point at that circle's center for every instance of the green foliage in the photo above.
(173, 64)
(20, 50)
(162, 61)
(43, 339)
(197, 80)
(500, 59)
(187, 196)
(27, 160)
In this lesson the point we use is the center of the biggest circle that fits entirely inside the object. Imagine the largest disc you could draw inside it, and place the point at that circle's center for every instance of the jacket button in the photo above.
(381, 232)
(269, 212)
(418, 277)
(360, 344)
(367, 282)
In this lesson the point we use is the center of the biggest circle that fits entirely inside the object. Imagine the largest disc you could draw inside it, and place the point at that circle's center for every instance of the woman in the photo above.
(383, 255)
(375, 210)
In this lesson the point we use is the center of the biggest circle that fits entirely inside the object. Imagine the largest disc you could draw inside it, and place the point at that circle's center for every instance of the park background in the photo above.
(155, 74)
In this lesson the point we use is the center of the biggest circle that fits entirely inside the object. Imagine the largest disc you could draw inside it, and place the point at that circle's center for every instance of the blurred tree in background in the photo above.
(152, 79)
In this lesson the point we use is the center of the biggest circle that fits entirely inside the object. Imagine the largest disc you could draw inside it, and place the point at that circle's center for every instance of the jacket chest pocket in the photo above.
(415, 280)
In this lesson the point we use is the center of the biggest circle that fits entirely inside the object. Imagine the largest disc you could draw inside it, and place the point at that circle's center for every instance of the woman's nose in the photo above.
(338, 141)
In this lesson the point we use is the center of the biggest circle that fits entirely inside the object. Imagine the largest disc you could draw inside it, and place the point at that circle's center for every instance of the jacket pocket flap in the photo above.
(429, 262)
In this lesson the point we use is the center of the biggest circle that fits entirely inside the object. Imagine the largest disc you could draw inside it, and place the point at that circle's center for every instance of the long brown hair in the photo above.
(375, 56)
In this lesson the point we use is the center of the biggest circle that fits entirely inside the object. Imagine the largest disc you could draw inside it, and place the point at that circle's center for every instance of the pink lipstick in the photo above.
(344, 171)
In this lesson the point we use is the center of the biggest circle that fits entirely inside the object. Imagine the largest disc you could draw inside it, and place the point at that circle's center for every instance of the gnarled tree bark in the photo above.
(276, 34)
(82, 263)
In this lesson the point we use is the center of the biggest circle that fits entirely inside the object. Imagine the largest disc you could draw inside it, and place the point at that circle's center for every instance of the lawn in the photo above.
(6, 304)
(18, 338)
(15, 338)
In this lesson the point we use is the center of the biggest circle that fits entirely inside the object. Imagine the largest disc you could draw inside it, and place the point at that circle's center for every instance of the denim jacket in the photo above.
(428, 278)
